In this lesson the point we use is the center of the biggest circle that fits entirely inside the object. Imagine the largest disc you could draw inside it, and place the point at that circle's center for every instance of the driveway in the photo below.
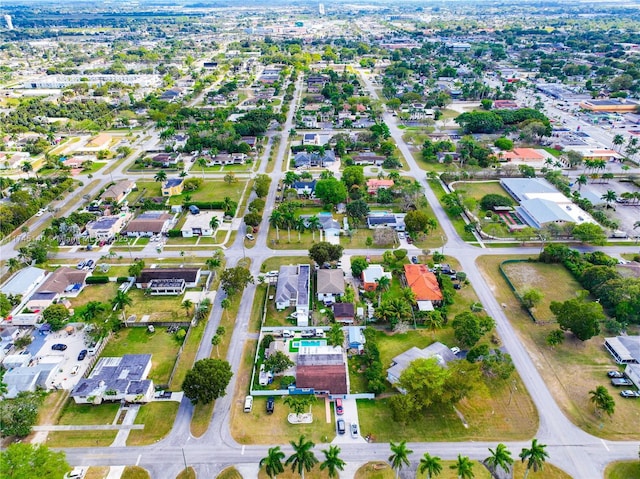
(350, 416)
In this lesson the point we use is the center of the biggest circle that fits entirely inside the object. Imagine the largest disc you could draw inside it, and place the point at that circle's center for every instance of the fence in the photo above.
(513, 288)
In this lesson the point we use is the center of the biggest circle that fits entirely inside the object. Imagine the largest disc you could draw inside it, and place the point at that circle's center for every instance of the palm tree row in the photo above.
(284, 217)
(303, 459)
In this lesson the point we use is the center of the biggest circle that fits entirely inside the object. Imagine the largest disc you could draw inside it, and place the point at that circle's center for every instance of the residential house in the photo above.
(355, 338)
(250, 140)
(424, 285)
(329, 226)
(315, 83)
(149, 223)
(76, 161)
(304, 159)
(106, 227)
(117, 379)
(311, 138)
(222, 159)
(330, 285)
(172, 94)
(374, 184)
(23, 281)
(115, 194)
(372, 275)
(343, 312)
(64, 281)
(322, 369)
(168, 281)
(390, 220)
(309, 121)
(293, 291)
(200, 224)
(443, 156)
(304, 188)
(402, 361)
(624, 349)
(368, 158)
(172, 187)
(29, 378)
(165, 160)
(521, 155)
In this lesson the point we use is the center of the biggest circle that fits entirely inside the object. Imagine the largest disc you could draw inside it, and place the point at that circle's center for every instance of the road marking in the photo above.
(139, 457)
(242, 451)
(604, 444)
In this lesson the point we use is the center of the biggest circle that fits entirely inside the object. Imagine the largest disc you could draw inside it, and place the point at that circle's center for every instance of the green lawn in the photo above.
(159, 308)
(162, 346)
(291, 240)
(553, 151)
(188, 355)
(157, 418)
(80, 438)
(623, 470)
(88, 414)
(229, 473)
(96, 292)
(457, 221)
(150, 188)
(95, 166)
(213, 191)
(135, 472)
(478, 189)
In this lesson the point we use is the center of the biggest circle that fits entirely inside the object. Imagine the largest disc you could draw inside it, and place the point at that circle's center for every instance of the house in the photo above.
(39, 301)
(390, 220)
(330, 285)
(402, 361)
(172, 187)
(322, 369)
(443, 156)
(149, 223)
(521, 155)
(168, 281)
(223, 159)
(329, 226)
(368, 158)
(293, 291)
(172, 94)
(118, 192)
(117, 379)
(355, 338)
(374, 184)
(304, 188)
(304, 159)
(424, 285)
(106, 227)
(624, 349)
(311, 138)
(75, 161)
(165, 160)
(343, 312)
(24, 281)
(249, 140)
(372, 275)
(64, 281)
(315, 83)
(200, 224)
(309, 121)
(29, 378)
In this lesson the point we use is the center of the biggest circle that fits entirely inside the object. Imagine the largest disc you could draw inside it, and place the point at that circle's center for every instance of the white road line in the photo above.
(242, 452)
(139, 457)
(604, 444)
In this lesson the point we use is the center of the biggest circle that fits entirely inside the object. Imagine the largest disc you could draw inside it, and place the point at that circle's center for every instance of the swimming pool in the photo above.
(309, 342)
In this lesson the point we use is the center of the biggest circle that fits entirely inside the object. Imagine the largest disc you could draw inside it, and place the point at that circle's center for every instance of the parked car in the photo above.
(621, 382)
(341, 426)
(339, 407)
(82, 355)
(89, 264)
(271, 401)
(615, 374)
(414, 259)
(81, 265)
(248, 403)
(250, 237)
(75, 370)
(59, 347)
(455, 350)
(628, 393)
(354, 429)
(401, 236)
(272, 274)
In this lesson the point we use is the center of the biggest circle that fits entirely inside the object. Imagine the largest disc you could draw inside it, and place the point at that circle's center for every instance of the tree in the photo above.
(202, 163)
(490, 201)
(499, 459)
(273, 462)
(394, 311)
(234, 280)
(303, 459)
(463, 467)
(589, 233)
(332, 463)
(160, 177)
(324, 252)
(531, 298)
(580, 317)
(207, 380)
(290, 177)
(535, 456)
(358, 265)
(505, 144)
(358, 210)
(469, 327)
(214, 223)
(299, 402)
(261, 185)
(581, 181)
(120, 301)
(23, 461)
(400, 456)
(331, 191)
(278, 362)
(430, 465)
(17, 416)
(136, 268)
(313, 223)
(335, 336)
(555, 337)
(382, 285)
(609, 197)
(618, 140)
(602, 400)
(498, 365)
(56, 315)
(353, 175)
(416, 221)
(187, 305)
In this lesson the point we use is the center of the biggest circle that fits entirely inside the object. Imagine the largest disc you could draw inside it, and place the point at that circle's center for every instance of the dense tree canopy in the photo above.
(207, 380)
(580, 317)
(26, 461)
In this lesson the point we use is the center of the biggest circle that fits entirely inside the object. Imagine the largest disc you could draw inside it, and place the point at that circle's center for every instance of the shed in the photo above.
(355, 337)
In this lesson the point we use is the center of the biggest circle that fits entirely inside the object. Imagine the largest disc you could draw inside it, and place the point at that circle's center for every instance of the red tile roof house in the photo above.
(374, 185)
(424, 285)
(520, 154)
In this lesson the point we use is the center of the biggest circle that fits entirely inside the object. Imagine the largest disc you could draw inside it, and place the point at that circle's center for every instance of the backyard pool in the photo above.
(309, 342)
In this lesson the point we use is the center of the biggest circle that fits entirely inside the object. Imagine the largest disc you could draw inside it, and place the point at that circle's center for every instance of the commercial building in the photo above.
(617, 105)
(63, 81)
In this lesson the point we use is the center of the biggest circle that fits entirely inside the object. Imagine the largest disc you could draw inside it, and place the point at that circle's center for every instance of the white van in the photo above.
(75, 370)
(287, 334)
(248, 403)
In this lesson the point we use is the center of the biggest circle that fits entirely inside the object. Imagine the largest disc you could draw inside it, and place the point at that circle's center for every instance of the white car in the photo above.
(250, 237)
(40, 213)
(455, 350)
(401, 236)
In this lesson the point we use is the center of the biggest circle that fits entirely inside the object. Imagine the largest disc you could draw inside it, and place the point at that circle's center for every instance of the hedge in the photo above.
(122, 279)
(97, 279)
(174, 233)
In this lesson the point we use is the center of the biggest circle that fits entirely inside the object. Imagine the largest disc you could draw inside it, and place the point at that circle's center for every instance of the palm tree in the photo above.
(313, 223)
(225, 304)
(618, 140)
(120, 301)
(636, 225)
(602, 400)
(13, 264)
(187, 304)
(431, 465)
(383, 284)
(26, 167)
(400, 456)
(581, 181)
(273, 462)
(214, 223)
(500, 458)
(300, 226)
(303, 457)
(289, 219)
(213, 263)
(276, 221)
(161, 176)
(332, 462)
(202, 163)
(610, 196)
(215, 341)
(290, 178)
(535, 457)
(464, 467)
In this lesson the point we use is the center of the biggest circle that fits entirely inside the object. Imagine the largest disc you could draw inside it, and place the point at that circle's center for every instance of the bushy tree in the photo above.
(580, 317)
(56, 315)
(234, 280)
(417, 221)
(331, 191)
(24, 461)
(207, 380)
(278, 362)
(324, 252)
(470, 327)
(490, 201)
(18, 415)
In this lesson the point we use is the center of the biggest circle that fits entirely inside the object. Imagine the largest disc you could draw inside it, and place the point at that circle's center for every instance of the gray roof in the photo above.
(519, 187)
(22, 281)
(117, 373)
(171, 182)
(438, 350)
(627, 347)
(28, 378)
(330, 281)
(287, 288)
(106, 222)
(544, 211)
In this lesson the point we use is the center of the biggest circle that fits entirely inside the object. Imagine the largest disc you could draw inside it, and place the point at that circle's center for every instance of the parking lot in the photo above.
(627, 215)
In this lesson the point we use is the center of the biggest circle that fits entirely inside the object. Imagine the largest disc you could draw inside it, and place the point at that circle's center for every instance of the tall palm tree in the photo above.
(332, 462)
(581, 181)
(535, 457)
(187, 304)
(303, 457)
(273, 462)
(120, 301)
(289, 219)
(202, 163)
(314, 224)
(300, 225)
(383, 284)
(499, 458)
(161, 176)
(214, 223)
(431, 465)
(26, 167)
(225, 304)
(610, 196)
(14, 265)
(400, 456)
(618, 140)
(463, 467)
(275, 220)
(602, 400)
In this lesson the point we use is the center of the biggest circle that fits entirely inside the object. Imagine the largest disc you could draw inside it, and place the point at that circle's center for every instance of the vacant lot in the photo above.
(478, 189)
(570, 370)
(158, 308)
(157, 418)
(213, 191)
(161, 345)
(95, 292)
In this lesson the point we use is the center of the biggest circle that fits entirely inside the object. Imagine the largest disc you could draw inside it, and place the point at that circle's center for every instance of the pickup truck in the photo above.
(621, 382)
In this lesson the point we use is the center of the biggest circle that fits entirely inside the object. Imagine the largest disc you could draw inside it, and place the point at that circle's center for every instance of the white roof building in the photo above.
(24, 281)
(200, 224)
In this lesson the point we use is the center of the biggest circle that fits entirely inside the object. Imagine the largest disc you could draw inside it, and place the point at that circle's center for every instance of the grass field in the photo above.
(135, 472)
(457, 221)
(80, 438)
(314, 473)
(95, 292)
(187, 358)
(229, 473)
(213, 191)
(97, 472)
(623, 470)
(478, 189)
(159, 308)
(157, 418)
(162, 346)
(586, 363)
(88, 414)
(189, 473)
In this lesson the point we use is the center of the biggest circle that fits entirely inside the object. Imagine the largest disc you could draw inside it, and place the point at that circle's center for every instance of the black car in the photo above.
(271, 401)
(59, 347)
(414, 259)
(82, 355)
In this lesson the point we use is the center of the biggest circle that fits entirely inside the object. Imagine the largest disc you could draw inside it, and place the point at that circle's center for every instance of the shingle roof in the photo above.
(322, 378)
(189, 275)
(343, 310)
(438, 350)
(62, 278)
(330, 281)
